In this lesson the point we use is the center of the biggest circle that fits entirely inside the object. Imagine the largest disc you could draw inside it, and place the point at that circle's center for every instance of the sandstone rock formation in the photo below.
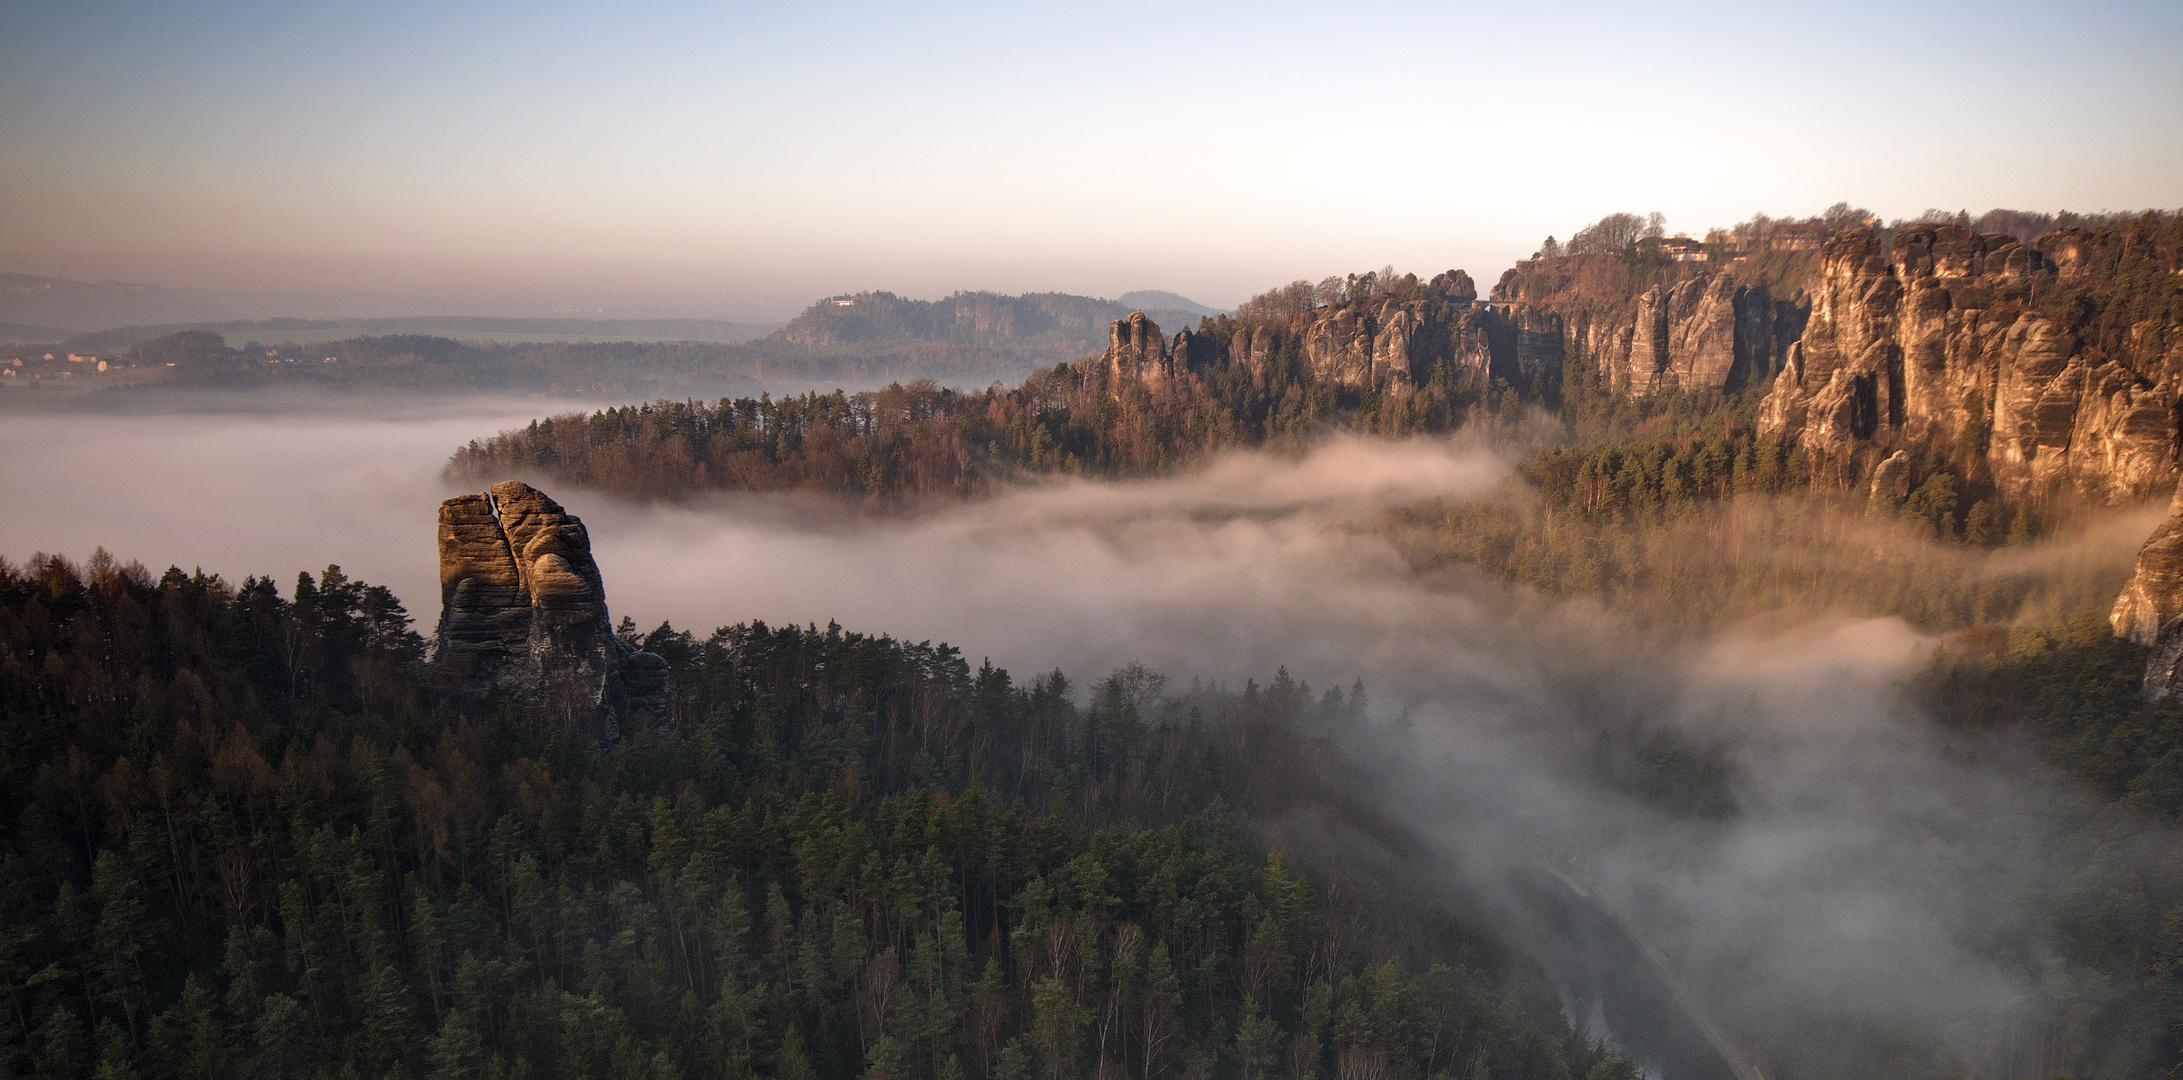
(523, 611)
(2150, 609)
(1934, 342)
(1891, 478)
(1457, 286)
(1378, 342)
(1136, 353)
(1393, 345)
(1701, 329)
(1706, 332)
(1252, 347)
(1538, 346)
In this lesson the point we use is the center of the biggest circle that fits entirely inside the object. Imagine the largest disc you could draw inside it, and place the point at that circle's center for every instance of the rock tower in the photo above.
(523, 612)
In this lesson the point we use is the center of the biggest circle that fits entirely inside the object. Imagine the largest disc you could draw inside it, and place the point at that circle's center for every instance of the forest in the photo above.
(903, 445)
(250, 834)
(920, 442)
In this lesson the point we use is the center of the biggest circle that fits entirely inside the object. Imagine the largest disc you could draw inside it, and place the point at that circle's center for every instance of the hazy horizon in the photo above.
(1680, 667)
(739, 162)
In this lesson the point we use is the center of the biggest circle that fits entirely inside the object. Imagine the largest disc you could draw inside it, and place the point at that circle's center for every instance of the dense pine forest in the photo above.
(248, 834)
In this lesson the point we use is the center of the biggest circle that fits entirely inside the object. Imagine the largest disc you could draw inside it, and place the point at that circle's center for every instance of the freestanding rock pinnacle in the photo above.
(523, 611)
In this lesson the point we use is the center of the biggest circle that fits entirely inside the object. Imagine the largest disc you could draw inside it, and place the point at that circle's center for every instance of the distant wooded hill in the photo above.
(865, 338)
(48, 302)
(1044, 328)
(472, 328)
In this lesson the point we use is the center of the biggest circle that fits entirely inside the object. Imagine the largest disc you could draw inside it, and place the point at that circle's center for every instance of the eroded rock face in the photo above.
(1392, 346)
(1925, 343)
(1137, 353)
(1704, 328)
(1706, 332)
(1340, 346)
(1891, 478)
(1138, 356)
(523, 610)
(1377, 343)
(2150, 609)
(1252, 347)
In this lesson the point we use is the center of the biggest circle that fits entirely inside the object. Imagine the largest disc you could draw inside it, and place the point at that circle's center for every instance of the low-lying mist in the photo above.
(1871, 890)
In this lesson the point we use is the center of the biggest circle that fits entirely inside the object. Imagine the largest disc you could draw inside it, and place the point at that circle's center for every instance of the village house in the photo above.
(1682, 248)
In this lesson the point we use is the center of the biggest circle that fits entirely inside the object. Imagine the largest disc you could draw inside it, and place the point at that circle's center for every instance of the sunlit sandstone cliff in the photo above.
(1939, 342)
(2150, 609)
(523, 611)
(1700, 328)
(1932, 340)
(1387, 342)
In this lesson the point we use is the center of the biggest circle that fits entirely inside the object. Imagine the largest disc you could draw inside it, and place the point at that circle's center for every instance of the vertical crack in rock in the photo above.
(523, 612)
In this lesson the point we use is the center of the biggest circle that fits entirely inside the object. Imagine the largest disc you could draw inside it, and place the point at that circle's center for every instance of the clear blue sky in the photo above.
(791, 150)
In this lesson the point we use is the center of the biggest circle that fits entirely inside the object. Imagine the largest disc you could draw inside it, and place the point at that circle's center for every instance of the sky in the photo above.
(716, 157)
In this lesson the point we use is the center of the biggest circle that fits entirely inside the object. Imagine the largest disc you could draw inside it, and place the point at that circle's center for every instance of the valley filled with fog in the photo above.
(1849, 905)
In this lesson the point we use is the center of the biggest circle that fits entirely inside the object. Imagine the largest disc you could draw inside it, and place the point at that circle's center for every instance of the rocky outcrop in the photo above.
(1693, 327)
(1891, 478)
(1136, 352)
(1704, 332)
(1457, 286)
(1934, 342)
(1391, 346)
(1252, 347)
(523, 611)
(1343, 345)
(1388, 341)
(2150, 609)
(1137, 355)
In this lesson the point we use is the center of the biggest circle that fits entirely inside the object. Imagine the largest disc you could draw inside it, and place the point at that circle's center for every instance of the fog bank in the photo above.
(1872, 886)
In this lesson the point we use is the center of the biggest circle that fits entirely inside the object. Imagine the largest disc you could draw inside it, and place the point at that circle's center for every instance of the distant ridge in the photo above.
(27, 333)
(1035, 329)
(49, 302)
(482, 328)
(1150, 299)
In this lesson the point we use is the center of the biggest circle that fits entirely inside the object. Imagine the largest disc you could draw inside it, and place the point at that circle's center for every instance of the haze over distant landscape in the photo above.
(738, 161)
(974, 541)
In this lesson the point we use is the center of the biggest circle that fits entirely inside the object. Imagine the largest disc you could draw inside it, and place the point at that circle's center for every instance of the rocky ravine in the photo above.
(523, 612)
